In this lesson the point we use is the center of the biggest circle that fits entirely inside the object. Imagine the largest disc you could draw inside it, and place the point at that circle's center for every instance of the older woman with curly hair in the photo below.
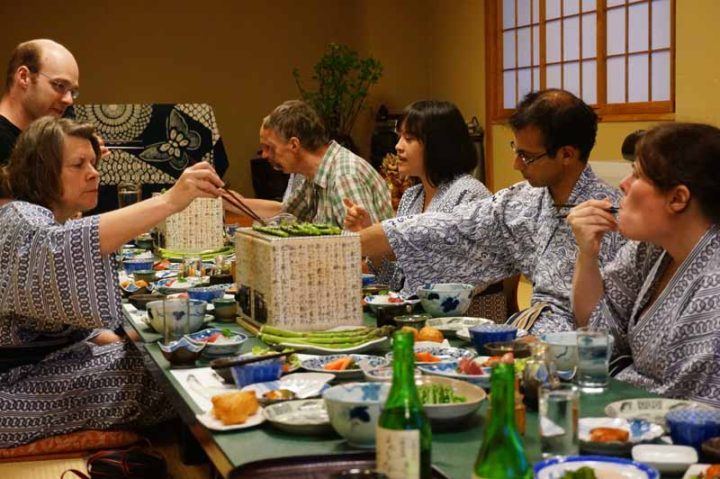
(60, 299)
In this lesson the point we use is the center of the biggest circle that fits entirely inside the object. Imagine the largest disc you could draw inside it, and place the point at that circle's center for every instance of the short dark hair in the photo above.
(629, 144)
(297, 118)
(27, 54)
(684, 154)
(439, 125)
(562, 118)
(33, 172)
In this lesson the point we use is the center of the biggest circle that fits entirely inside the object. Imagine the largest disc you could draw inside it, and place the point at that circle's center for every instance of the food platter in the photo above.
(209, 420)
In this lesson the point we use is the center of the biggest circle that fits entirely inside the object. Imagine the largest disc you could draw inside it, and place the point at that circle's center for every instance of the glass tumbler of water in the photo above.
(594, 347)
(559, 408)
(128, 193)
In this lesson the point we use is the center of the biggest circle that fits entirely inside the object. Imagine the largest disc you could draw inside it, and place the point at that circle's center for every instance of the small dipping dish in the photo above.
(416, 321)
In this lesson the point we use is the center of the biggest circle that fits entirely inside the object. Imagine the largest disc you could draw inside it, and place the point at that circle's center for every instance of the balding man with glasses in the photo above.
(520, 229)
(42, 79)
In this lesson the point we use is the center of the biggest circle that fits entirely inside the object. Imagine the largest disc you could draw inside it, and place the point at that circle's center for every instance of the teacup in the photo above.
(185, 315)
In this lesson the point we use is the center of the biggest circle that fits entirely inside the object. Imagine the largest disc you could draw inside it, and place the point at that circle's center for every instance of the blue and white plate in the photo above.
(318, 364)
(173, 285)
(377, 300)
(604, 467)
(224, 345)
(449, 370)
(445, 353)
(304, 385)
(639, 431)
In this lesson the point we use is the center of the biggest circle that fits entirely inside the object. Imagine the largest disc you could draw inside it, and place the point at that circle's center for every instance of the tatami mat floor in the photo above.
(53, 469)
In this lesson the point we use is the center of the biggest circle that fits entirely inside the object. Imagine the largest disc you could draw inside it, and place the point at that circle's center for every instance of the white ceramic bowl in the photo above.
(446, 299)
(456, 412)
(666, 458)
(354, 410)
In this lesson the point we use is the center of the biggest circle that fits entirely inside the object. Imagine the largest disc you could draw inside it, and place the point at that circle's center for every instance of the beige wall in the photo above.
(697, 84)
(236, 55)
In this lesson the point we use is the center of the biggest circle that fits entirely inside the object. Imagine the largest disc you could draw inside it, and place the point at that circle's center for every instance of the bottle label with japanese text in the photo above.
(398, 453)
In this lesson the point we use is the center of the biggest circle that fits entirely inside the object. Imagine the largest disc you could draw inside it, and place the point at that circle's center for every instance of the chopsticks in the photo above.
(125, 145)
(227, 362)
(612, 209)
(237, 203)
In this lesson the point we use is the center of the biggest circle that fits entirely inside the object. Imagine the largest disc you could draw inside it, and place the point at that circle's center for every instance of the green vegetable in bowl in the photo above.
(584, 472)
(438, 394)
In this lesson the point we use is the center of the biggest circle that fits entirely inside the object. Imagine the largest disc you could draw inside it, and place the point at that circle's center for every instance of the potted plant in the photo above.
(343, 81)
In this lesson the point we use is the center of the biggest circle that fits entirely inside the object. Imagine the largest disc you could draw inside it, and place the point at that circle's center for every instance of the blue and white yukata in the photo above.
(517, 230)
(675, 341)
(55, 282)
(462, 190)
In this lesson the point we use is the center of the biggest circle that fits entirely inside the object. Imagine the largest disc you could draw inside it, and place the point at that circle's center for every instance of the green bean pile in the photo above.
(438, 394)
(299, 229)
(327, 339)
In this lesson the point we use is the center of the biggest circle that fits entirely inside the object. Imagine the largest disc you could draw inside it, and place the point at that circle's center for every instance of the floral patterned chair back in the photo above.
(152, 144)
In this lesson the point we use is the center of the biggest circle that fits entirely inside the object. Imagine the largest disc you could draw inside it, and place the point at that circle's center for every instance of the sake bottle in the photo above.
(403, 438)
(502, 455)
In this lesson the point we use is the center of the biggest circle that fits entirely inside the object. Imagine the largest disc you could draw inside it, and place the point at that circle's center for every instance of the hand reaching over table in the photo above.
(356, 217)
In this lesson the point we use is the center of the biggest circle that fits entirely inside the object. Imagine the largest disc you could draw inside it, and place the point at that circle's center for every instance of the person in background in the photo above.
(433, 146)
(660, 297)
(294, 140)
(59, 285)
(520, 229)
(42, 79)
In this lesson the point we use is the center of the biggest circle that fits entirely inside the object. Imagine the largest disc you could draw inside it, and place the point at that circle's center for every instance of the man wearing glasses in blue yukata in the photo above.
(518, 230)
(42, 79)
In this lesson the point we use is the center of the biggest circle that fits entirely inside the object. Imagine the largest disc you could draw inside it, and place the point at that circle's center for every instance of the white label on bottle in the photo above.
(398, 453)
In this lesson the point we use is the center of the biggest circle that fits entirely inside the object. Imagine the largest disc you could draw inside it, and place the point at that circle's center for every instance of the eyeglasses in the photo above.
(524, 157)
(62, 87)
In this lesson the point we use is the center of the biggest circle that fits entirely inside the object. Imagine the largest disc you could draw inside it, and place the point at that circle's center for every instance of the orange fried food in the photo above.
(429, 333)
(712, 472)
(426, 357)
(608, 434)
(234, 407)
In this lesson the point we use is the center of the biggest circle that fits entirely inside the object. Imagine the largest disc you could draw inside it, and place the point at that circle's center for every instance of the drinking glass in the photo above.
(594, 347)
(559, 409)
(563, 358)
(128, 193)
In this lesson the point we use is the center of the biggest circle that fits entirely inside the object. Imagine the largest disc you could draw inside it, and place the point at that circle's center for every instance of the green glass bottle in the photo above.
(403, 431)
(502, 455)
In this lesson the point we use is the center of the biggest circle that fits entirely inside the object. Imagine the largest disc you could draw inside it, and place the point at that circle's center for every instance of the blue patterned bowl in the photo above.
(259, 372)
(491, 333)
(446, 299)
(137, 264)
(691, 427)
(603, 466)
(207, 293)
(182, 352)
(354, 409)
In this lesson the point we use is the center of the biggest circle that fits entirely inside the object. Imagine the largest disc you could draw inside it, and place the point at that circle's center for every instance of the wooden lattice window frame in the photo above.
(649, 110)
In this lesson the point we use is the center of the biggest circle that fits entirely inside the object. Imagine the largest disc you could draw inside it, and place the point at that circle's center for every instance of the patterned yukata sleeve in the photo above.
(57, 275)
(692, 355)
(473, 244)
(623, 279)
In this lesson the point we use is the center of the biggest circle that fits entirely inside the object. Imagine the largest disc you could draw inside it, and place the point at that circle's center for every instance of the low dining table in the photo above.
(453, 449)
